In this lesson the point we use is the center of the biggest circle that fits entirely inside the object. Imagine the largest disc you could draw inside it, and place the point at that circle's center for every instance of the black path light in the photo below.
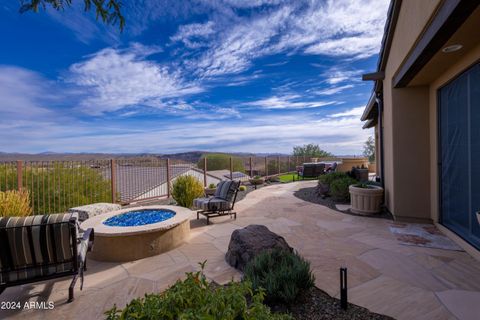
(343, 288)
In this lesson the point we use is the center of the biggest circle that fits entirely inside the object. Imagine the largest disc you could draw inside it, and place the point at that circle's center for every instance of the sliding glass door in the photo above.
(459, 144)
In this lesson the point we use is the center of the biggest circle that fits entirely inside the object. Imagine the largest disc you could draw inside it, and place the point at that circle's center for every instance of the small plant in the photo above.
(212, 186)
(196, 298)
(281, 273)
(185, 189)
(257, 177)
(15, 203)
(242, 188)
(328, 178)
(339, 188)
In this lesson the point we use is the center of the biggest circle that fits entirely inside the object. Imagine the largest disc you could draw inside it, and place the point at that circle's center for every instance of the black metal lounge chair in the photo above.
(42, 247)
(221, 203)
(312, 170)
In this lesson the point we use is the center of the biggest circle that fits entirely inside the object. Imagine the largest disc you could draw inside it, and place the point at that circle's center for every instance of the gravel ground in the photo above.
(315, 304)
(311, 195)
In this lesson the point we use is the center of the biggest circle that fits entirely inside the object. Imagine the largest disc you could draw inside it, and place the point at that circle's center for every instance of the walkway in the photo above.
(404, 282)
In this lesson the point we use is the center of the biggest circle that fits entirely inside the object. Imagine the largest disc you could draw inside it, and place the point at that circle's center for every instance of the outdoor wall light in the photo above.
(452, 48)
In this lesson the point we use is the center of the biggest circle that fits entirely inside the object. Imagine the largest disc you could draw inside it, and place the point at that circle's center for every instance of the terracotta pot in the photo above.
(210, 191)
(366, 200)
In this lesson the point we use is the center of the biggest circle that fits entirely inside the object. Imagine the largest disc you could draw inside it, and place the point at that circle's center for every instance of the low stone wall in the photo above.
(348, 163)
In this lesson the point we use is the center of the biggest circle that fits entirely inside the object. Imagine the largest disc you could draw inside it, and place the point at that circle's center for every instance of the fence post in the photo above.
(231, 169)
(266, 167)
(113, 180)
(288, 164)
(19, 175)
(205, 172)
(278, 164)
(251, 169)
(168, 178)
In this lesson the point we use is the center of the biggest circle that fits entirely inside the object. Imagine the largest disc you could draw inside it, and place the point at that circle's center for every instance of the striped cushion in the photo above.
(211, 204)
(35, 246)
(226, 189)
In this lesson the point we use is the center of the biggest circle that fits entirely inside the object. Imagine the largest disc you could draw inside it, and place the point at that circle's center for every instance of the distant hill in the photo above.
(191, 156)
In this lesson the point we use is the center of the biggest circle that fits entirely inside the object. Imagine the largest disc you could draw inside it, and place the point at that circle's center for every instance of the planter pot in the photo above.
(210, 191)
(366, 200)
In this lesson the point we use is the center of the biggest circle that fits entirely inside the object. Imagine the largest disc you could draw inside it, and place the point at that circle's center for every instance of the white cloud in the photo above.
(193, 35)
(355, 113)
(23, 94)
(340, 28)
(114, 79)
(288, 102)
(336, 75)
(333, 90)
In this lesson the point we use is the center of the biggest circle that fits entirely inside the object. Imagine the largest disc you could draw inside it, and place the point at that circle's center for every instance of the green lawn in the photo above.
(289, 177)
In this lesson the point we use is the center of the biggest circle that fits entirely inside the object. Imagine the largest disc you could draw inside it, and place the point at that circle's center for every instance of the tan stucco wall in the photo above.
(467, 60)
(413, 17)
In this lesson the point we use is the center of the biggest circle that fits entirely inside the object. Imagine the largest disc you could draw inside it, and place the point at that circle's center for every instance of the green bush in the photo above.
(221, 161)
(58, 186)
(196, 298)
(339, 188)
(212, 186)
(281, 273)
(328, 178)
(243, 188)
(185, 189)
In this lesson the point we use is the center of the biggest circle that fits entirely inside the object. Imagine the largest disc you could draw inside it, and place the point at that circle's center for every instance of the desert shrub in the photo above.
(58, 186)
(221, 161)
(339, 188)
(185, 189)
(281, 273)
(242, 188)
(196, 298)
(327, 179)
(15, 203)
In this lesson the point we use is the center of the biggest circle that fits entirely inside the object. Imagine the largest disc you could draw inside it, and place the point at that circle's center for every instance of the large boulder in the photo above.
(246, 243)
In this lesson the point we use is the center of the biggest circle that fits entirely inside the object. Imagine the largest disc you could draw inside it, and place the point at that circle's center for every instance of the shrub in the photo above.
(221, 161)
(195, 298)
(281, 273)
(212, 186)
(329, 177)
(185, 189)
(339, 188)
(243, 188)
(15, 203)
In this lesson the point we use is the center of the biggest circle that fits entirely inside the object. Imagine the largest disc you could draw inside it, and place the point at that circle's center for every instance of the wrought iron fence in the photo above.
(56, 186)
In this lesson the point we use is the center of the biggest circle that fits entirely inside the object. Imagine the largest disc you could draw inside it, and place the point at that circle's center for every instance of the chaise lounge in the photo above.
(43, 247)
(221, 203)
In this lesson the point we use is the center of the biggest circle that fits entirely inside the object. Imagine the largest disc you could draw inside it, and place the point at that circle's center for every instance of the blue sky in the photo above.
(246, 76)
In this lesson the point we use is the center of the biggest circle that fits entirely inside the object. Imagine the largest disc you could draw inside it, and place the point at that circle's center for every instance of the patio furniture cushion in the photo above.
(211, 204)
(36, 246)
(92, 210)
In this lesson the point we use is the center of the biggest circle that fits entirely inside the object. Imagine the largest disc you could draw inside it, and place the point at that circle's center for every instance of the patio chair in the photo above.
(312, 170)
(221, 203)
(43, 247)
(333, 168)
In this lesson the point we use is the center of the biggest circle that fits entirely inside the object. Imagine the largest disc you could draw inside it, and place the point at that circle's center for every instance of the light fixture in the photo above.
(452, 48)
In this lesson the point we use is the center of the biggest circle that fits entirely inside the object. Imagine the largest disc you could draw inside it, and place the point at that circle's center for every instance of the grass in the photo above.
(290, 177)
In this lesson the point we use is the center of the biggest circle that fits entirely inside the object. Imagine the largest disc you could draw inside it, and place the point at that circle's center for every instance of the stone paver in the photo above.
(405, 282)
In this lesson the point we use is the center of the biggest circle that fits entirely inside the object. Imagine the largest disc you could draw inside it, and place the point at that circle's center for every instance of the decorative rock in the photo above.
(246, 243)
(92, 210)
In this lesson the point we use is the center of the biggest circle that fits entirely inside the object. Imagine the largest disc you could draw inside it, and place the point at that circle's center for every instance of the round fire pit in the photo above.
(132, 234)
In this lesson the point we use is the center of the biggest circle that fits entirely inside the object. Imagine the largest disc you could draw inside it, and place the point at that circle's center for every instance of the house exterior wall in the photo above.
(410, 121)
(461, 65)
(398, 157)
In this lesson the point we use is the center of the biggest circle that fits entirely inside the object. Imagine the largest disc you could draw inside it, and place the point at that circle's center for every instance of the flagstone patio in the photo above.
(405, 282)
